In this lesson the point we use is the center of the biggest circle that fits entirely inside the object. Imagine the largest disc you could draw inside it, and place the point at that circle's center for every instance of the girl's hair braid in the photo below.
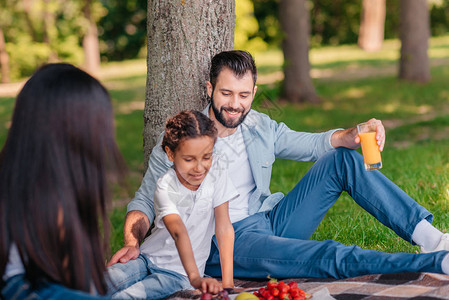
(186, 125)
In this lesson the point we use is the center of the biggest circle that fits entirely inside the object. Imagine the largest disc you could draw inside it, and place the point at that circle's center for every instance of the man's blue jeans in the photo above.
(17, 287)
(276, 242)
(141, 279)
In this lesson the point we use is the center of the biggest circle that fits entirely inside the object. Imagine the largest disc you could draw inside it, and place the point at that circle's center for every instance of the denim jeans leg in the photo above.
(259, 253)
(122, 276)
(155, 283)
(276, 243)
(17, 287)
(299, 213)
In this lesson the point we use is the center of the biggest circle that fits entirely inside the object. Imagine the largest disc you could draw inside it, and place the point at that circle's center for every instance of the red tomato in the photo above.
(293, 285)
(275, 292)
(266, 293)
(272, 284)
(294, 292)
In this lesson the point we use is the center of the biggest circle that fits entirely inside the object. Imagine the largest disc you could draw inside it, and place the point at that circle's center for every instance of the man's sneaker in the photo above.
(443, 245)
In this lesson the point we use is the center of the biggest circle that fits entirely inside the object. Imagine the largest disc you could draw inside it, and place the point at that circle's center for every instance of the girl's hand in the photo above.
(206, 285)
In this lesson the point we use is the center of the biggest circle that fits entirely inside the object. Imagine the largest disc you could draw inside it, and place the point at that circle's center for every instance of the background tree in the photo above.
(183, 36)
(372, 25)
(414, 34)
(31, 42)
(49, 30)
(295, 22)
(123, 29)
(4, 58)
(246, 28)
(91, 45)
(5, 21)
(28, 8)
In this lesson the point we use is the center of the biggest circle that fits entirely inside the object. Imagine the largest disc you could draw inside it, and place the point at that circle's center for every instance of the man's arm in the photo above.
(179, 233)
(349, 138)
(299, 146)
(134, 231)
(304, 146)
(157, 166)
(224, 233)
(141, 209)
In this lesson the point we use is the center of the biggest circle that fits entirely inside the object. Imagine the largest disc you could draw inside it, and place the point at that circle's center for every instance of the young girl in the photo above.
(187, 198)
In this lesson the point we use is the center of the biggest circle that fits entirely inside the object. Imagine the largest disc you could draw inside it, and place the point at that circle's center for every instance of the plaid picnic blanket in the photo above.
(382, 286)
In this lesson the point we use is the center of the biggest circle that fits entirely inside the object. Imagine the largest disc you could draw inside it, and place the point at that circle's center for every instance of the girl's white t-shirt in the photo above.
(196, 209)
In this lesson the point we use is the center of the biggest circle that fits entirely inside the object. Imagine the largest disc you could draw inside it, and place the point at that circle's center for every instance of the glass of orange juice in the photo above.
(370, 149)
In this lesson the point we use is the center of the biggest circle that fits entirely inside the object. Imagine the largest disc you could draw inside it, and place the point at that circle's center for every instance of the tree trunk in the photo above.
(414, 33)
(49, 30)
(91, 45)
(4, 58)
(183, 36)
(372, 25)
(295, 22)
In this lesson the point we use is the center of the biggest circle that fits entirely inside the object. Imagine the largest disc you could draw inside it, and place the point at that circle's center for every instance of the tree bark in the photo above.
(4, 58)
(183, 36)
(414, 33)
(91, 45)
(372, 25)
(295, 22)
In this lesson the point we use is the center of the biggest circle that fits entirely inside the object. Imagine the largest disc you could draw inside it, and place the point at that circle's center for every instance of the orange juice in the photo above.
(370, 149)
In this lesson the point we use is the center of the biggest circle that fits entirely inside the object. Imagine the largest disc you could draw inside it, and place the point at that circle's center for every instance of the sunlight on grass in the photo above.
(442, 41)
(444, 95)
(355, 93)
(351, 53)
(351, 56)
(269, 58)
(123, 69)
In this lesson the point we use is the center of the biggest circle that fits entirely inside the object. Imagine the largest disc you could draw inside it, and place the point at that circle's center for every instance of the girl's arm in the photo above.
(178, 231)
(225, 238)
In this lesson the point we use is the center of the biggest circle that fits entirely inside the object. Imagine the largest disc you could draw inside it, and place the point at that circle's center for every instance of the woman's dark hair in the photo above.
(53, 170)
(237, 61)
(186, 125)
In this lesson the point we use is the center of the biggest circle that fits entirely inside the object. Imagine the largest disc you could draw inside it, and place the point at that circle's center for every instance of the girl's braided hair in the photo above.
(186, 125)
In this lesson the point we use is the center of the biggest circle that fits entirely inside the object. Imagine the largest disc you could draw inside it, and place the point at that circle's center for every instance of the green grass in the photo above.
(416, 117)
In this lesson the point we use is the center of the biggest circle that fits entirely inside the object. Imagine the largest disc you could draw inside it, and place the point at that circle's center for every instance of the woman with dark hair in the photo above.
(54, 166)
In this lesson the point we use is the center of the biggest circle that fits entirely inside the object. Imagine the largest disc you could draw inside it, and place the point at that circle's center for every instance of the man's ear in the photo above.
(209, 88)
(254, 91)
(170, 154)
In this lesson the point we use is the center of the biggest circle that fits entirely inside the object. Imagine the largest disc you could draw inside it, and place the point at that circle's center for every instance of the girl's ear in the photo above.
(170, 154)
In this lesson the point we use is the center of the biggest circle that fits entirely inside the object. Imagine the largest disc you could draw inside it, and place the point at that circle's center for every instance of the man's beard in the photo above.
(220, 117)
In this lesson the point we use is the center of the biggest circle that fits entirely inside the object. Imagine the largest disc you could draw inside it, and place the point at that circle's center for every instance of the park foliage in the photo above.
(37, 30)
